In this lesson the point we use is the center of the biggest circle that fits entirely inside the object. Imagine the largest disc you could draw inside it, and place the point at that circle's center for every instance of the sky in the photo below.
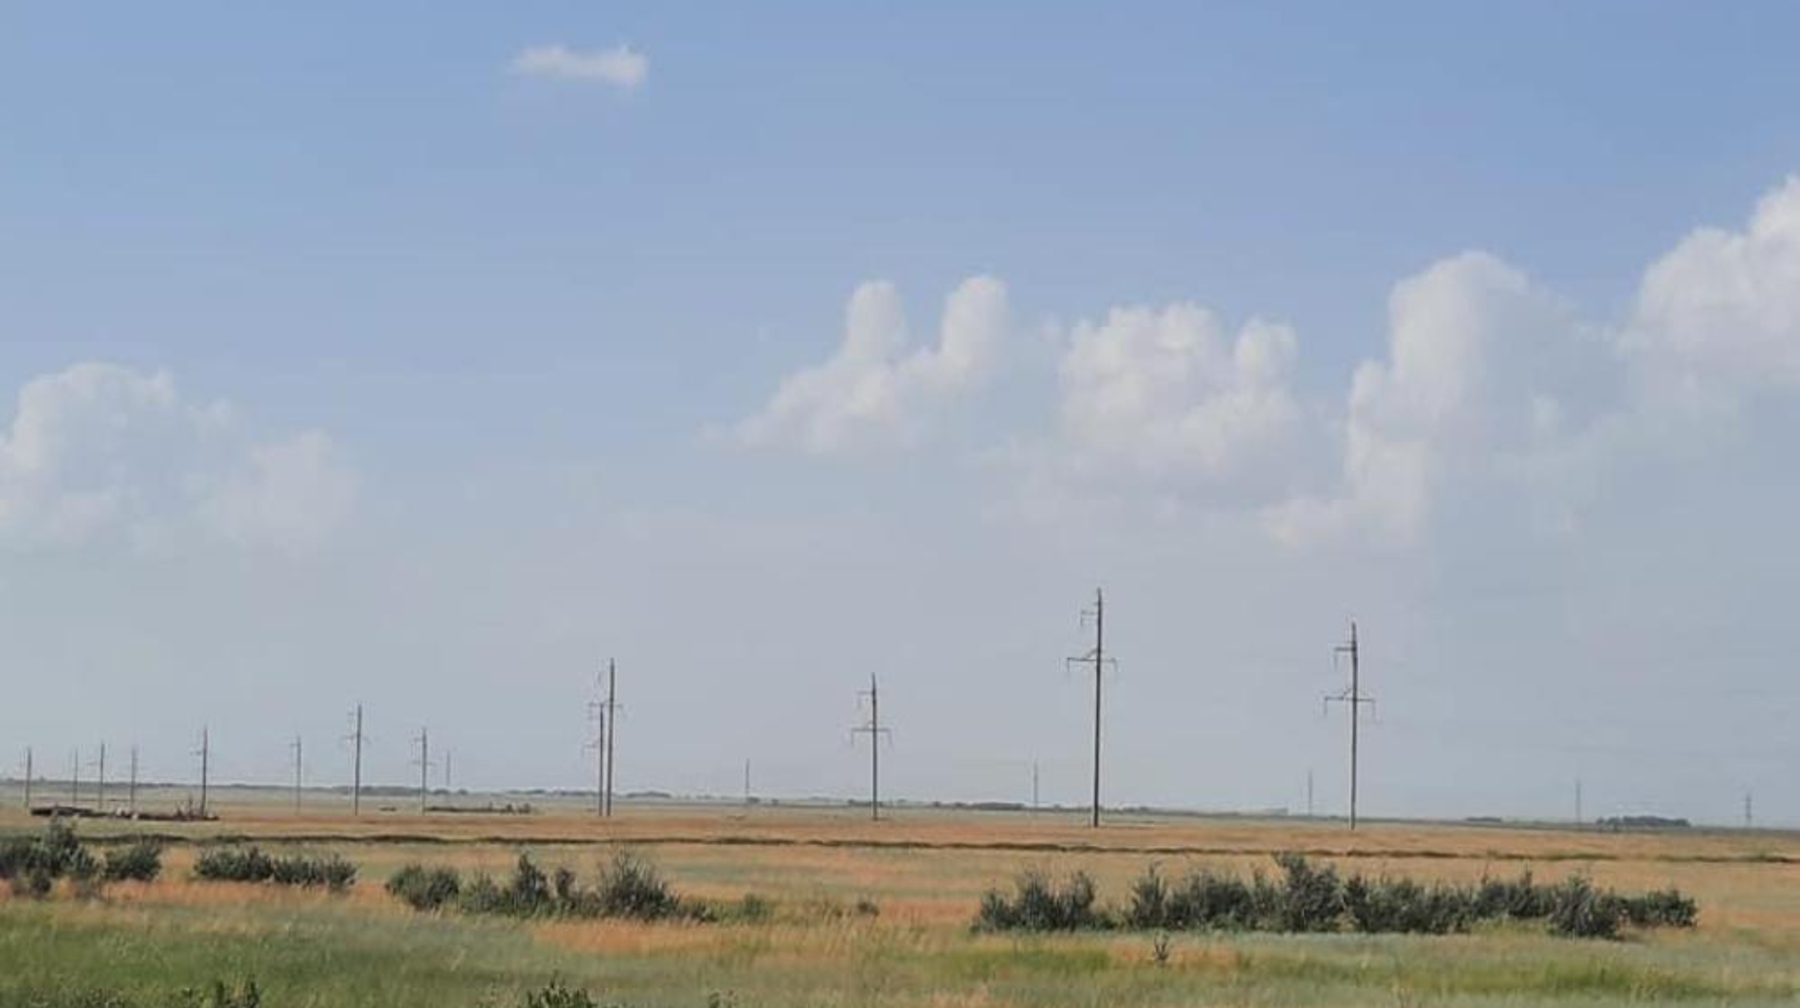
(426, 356)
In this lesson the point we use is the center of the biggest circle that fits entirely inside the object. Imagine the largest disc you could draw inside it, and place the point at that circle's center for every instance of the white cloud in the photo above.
(621, 66)
(1170, 391)
(1488, 377)
(101, 452)
(872, 391)
(1719, 315)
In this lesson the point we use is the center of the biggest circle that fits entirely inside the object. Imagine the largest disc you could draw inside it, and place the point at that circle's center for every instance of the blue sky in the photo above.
(494, 341)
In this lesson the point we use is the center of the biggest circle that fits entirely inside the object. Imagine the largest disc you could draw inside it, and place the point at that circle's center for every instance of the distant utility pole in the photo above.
(355, 738)
(28, 769)
(1578, 819)
(875, 731)
(1034, 785)
(1354, 699)
(446, 771)
(1309, 793)
(131, 790)
(75, 778)
(1749, 815)
(205, 754)
(612, 728)
(425, 764)
(746, 783)
(1097, 658)
(597, 713)
(100, 794)
(299, 755)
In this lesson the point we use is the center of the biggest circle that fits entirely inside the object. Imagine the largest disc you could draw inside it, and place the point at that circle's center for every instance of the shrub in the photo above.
(631, 887)
(1039, 905)
(481, 896)
(250, 864)
(1149, 901)
(1514, 899)
(425, 888)
(1407, 907)
(139, 862)
(555, 995)
(1663, 908)
(1581, 911)
(1312, 898)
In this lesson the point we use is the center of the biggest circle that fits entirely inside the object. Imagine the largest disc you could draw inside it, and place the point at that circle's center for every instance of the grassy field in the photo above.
(925, 872)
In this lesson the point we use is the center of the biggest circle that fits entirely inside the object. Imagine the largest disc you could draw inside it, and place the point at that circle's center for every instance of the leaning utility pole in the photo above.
(355, 738)
(875, 731)
(205, 754)
(1354, 699)
(296, 746)
(612, 728)
(425, 764)
(1097, 658)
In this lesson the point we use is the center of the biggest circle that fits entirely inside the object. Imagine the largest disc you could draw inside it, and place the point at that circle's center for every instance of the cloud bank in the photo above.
(621, 66)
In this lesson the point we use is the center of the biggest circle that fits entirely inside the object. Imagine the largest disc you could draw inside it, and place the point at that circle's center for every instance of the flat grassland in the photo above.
(925, 871)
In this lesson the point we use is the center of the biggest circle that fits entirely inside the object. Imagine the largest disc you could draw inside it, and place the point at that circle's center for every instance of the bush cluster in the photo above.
(629, 886)
(250, 864)
(1306, 897)
(32, 865)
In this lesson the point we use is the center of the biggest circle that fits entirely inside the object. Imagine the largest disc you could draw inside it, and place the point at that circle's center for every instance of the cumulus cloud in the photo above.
(1718, 317)
(621, 66)
(1487, 376)
(875, 390)
(102, 452)
(1169, 390)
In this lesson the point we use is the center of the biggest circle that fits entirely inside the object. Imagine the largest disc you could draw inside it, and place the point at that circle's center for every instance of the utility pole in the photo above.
(75, 778)
(205, 754)
(875, 731)
(446, 772)
(131, 791)
(1034, 786)
(597, 713)
(299, 754)
(424, 761)
(612, 728)
(746, 783)
(100, 794)
(1578, 819)
(1309, 793)
(28, 769)
(355, 738)
(1354, 699)
(1749, 816)
(1097, 658)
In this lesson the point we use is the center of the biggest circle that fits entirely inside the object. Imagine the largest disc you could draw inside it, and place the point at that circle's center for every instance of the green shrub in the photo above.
(1039, 905)
(1513, 899)
(555, 995)
(1663, 908)
(631, 887)
(425, 888)
(138, 862)
(1582, 911)
(250, 864)
(1312, 898)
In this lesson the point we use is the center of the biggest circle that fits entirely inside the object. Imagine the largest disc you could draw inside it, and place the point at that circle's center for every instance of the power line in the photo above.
(1097, 658)
(356, 739)
(425, 765)
(873, 728)
(1353, 698)
(297, 747)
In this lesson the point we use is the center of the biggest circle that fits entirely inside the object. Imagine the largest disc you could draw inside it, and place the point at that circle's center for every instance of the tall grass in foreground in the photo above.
(1310, 898)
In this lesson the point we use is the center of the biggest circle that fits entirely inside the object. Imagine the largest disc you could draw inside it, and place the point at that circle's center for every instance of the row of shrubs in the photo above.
(629, 886)
(246, 994)
(251, 864)
(31, 865)
(1312, 898)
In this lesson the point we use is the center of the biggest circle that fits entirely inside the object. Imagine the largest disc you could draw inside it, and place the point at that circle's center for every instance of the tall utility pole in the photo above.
(875, 731)
(100, 794)
(205, 754)
(424, 761)
(612, 728)
(1749, 816)
(1354, 699)
(597, 713)
(355, 738)
(746, 783)
(1578, 819)
(28, 769)
(131, 790)
(1097, 658)
(299, 755)
(75, 778)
